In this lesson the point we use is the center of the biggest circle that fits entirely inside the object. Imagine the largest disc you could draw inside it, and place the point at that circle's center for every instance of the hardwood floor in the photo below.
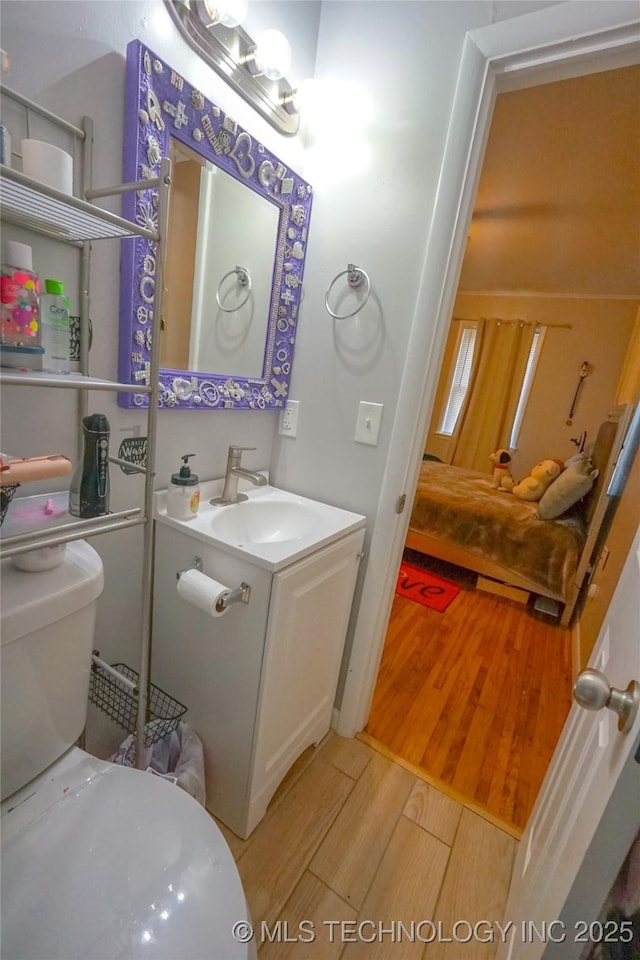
(353, 846)
(474, 698)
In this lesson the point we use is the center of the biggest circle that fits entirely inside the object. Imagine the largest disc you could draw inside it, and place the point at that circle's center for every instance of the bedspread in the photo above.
(463, 508)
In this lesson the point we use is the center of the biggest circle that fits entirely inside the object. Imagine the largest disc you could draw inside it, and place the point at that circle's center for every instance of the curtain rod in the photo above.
(523, 323)
(551, 326)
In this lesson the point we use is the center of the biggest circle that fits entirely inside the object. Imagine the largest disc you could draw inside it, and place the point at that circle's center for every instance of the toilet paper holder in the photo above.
(241, 594)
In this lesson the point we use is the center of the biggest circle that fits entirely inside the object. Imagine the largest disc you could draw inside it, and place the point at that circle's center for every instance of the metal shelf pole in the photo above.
(149, 530)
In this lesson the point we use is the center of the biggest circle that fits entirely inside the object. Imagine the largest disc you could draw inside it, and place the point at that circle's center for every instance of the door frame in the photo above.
(567, 40)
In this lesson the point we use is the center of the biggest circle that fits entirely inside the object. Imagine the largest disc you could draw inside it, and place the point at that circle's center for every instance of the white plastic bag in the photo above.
(178, 756)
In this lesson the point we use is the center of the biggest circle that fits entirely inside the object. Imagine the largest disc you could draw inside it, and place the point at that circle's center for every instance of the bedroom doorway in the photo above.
(475, 698)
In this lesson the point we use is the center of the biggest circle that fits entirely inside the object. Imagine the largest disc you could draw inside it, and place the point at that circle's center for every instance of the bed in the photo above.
(459, 517)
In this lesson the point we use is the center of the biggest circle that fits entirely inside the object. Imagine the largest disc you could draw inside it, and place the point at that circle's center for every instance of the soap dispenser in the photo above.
(183, 495)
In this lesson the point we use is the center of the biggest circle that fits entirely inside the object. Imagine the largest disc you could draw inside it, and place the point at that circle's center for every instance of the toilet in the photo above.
(98, 860)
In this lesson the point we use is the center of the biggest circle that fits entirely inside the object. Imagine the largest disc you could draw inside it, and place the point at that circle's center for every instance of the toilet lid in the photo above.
(105, 862)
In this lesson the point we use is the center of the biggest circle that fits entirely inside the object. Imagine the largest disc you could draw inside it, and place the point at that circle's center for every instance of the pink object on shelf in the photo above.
(35, 511)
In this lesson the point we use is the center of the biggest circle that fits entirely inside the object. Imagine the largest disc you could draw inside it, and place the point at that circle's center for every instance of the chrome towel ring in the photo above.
(244, 280)
(355, 277)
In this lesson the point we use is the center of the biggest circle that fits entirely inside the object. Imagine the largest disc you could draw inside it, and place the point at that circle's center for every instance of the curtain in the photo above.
(487, 417)
(629, 385)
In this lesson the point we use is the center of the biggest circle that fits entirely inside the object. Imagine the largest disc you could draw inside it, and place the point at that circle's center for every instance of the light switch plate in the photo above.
(368, 422)
(289, 419)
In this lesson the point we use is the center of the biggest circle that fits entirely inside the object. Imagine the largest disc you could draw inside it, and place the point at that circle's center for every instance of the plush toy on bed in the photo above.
(502, 479)
(541, 477)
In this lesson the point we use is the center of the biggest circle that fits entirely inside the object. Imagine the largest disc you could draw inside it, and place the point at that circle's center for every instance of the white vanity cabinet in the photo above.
(260, 681)
(308, 619)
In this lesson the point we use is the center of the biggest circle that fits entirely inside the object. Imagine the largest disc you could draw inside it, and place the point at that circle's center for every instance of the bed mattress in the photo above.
(463, 508)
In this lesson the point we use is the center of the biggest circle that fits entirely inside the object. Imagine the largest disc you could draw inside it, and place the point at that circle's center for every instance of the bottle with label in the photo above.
(56, 328)
(89, 491)
(183, 495)
(20, 296)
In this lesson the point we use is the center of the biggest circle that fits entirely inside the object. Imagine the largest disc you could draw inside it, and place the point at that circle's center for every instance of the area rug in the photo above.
(425, 587)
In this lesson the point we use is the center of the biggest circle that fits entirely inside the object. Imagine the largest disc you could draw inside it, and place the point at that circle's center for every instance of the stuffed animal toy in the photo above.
(541, 477)
(502, 479)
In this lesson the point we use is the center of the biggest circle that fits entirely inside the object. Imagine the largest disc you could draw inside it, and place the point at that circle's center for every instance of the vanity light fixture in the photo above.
(255, 70)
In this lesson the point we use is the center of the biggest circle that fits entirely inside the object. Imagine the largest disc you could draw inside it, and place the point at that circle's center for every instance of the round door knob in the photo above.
(593, 691)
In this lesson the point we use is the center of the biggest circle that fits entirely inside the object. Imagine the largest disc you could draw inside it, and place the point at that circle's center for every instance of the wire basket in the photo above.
(6, 496)
(163, 712)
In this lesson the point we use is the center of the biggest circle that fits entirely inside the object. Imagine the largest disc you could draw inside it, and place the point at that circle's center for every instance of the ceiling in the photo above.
(558, 204)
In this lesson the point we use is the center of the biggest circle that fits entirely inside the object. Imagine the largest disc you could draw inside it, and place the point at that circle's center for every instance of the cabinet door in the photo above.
(308, 618)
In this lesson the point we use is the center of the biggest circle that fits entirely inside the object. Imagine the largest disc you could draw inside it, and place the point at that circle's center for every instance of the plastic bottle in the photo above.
(56, 328)
(89, 491)
(20, 296)
(5, 145)
(183, 495)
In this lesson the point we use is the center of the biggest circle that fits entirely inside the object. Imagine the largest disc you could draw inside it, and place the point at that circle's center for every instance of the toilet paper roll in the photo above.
(48, 164)
(203, 592)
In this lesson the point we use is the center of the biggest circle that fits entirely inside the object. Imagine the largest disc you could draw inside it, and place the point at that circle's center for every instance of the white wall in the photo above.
(406, 56)
(70, 57)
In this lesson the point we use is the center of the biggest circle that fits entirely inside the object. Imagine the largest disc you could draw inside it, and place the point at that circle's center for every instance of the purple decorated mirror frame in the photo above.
(161, 104)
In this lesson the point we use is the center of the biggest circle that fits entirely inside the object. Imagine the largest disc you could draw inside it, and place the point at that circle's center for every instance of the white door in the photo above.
(588, 810)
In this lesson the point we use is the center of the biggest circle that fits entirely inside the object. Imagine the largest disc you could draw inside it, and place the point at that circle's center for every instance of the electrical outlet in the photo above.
(289, 419)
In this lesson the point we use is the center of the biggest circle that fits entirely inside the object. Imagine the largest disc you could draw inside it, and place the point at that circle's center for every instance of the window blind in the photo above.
(460, 380)
(529, 373)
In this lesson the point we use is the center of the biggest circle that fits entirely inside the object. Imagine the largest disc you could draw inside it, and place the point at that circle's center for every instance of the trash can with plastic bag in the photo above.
(177, 757)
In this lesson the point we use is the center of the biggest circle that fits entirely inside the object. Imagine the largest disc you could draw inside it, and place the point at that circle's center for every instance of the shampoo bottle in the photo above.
(183, 495)
(56, 328)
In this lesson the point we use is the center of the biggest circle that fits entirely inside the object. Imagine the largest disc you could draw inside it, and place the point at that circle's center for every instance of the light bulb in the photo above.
(230, 13)
(316, 101)
(304, 98)
(272, 55)
(326, 165)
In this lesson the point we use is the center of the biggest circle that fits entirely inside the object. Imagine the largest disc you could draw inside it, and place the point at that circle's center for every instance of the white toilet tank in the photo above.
(48, 620)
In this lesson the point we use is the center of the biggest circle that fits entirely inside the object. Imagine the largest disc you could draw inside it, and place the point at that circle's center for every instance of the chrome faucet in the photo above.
(234, 472)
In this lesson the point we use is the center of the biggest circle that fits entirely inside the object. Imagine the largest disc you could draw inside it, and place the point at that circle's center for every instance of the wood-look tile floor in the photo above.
(474, 698)
(376, 862)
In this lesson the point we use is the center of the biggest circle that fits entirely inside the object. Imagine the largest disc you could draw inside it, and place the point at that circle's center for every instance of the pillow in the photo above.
(572, 484)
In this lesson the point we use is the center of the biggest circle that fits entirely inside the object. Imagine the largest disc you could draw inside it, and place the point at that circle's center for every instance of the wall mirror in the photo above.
(234, 263)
